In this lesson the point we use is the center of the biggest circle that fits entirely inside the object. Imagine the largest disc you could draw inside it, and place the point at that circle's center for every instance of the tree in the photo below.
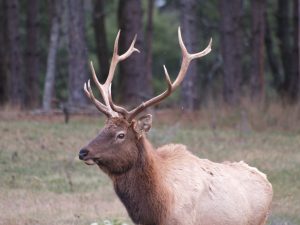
(273, 60)
(134, 87)
(288, 35)
(298, 48)
(77, 51)
(257, 82)
(295, 80)
(14, 55)
(284, 33)
(32, 55)
(52, 54)
(3, 54)
(100, 34)
(231, 49)
(188, 20)
(149, 39)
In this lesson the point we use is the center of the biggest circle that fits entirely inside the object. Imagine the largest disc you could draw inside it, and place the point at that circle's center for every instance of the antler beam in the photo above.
(186, 59)
(104, 89)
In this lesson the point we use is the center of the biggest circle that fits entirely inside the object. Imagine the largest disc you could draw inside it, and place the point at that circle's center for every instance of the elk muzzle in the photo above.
(83, 153)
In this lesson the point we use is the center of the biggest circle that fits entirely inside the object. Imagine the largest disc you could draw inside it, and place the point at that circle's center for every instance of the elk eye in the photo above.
(121, 136)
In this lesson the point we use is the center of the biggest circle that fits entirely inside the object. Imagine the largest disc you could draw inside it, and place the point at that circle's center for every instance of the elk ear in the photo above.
(143, 124)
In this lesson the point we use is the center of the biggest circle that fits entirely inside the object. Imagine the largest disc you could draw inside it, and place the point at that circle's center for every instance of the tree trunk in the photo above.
(188, 19)
(101, 42)
(15, 78)
(3, 54)
(32, 55)
(276, 70)
(295, 80)
(149, 38)
(231, 49)
(77, 50)
(298, 47)
(285, 37)
(51, 59)
(257, 81)
(133, 82)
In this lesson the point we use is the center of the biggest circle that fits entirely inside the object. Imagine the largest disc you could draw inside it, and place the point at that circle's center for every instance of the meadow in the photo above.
(42, 182)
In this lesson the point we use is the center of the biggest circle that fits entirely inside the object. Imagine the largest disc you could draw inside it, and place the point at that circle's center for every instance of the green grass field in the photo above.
(43, 182)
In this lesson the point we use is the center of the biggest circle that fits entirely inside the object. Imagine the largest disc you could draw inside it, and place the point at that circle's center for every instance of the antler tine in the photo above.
(204, 52)
(186, 59)
(116, 108)
(103, 91)
(88, 91)
(130, 50)
(114, 60)
(117, 58)
(154, 100)
(95, 79)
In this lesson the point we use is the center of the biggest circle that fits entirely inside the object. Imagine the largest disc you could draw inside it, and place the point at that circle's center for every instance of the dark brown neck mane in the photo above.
(140, 189)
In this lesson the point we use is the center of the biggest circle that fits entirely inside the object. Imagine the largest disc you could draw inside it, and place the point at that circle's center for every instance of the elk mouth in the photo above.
(89, 162)
(92, 161)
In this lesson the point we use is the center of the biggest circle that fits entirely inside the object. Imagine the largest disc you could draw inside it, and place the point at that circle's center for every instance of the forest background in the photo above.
(46, 48)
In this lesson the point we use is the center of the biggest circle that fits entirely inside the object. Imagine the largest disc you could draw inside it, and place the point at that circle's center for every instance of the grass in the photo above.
(43, 182)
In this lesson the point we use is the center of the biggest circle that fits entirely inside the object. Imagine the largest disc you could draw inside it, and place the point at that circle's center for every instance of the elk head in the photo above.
(115, 149)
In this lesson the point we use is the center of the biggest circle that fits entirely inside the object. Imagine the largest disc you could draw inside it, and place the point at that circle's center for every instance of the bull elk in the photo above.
(170, 185)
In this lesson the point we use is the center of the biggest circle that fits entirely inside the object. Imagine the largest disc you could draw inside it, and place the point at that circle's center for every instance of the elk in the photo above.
(169, 185)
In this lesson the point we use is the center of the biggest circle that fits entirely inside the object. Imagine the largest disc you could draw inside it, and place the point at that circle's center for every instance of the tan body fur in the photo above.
(207, 193)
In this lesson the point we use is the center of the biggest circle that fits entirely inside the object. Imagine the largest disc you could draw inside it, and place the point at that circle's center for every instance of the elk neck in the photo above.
(141, 189)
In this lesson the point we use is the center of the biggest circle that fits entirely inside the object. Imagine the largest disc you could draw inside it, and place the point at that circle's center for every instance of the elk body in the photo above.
(169, 185)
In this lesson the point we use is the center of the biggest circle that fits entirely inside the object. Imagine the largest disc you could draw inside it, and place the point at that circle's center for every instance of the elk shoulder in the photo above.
(203, 190)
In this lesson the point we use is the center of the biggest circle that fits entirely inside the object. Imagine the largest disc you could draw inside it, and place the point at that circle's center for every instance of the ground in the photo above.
(43, 182)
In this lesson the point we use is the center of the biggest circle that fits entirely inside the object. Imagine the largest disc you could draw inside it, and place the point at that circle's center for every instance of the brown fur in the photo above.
(170, 186)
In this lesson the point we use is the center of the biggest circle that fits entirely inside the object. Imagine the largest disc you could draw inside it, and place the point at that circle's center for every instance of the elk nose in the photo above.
(83, 152)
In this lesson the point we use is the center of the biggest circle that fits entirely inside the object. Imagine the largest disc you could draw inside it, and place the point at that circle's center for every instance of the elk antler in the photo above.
(108, 108)
(186, 59)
